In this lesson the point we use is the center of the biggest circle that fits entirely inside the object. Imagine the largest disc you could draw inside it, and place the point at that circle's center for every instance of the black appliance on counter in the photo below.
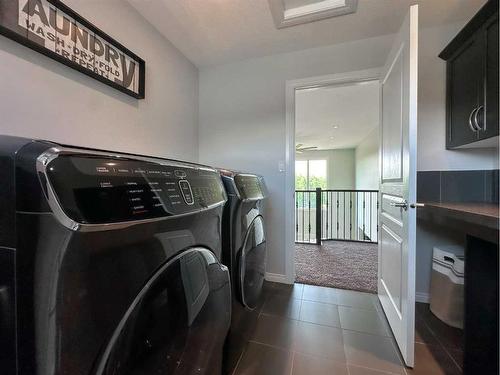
(244, 252)
(109, 263)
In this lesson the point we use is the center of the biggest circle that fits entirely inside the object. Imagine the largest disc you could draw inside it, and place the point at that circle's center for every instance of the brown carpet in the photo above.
(338, 264)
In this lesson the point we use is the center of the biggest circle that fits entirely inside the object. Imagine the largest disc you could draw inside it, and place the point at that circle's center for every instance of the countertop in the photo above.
(478, 219)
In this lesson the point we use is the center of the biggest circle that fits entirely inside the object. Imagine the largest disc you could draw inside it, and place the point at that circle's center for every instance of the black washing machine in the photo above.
(244, 252)
(109, 263)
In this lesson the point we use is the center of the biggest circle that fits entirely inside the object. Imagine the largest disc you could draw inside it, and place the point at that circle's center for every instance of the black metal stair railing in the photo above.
(347, 215)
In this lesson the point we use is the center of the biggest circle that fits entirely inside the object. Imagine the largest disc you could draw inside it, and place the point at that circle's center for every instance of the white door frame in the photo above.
(291, 87)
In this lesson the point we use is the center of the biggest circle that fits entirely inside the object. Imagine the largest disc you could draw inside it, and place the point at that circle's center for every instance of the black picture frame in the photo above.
(21, 39)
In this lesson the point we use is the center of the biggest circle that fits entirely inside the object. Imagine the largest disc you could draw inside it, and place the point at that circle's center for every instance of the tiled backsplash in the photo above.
(458, 186)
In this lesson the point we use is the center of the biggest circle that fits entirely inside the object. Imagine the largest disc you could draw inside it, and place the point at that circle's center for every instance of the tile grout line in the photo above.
(292, 348)
(239, 360)
(388, 335)
(375, 309)
(400, 356)
(341, 305)
(262, 307)
(301, 301)
(374, 369)
(294, 352)
(302, 293)
(445, 349)
(440, 344)
(308, 354)
(268, 345)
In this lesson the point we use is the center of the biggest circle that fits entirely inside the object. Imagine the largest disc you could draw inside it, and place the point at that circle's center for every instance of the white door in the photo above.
(398, 153)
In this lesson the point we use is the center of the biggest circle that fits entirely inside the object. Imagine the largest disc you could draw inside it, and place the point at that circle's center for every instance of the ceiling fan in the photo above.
(299, 149)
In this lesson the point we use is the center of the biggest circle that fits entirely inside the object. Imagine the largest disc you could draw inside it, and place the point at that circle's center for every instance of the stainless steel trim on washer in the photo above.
(52, 153)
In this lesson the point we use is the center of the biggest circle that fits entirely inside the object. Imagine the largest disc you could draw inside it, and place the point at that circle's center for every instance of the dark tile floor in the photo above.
(436, 344)
(312, 330)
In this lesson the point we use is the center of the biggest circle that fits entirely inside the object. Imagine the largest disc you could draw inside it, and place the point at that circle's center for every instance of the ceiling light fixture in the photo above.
(312, 8)
(309, 12)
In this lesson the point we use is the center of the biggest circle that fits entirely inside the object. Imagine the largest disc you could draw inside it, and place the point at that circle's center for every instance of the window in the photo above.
(295, 12)
(310, 174)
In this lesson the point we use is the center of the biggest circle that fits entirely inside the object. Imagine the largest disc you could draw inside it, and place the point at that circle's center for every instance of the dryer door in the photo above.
(252, 263)
(178, 322)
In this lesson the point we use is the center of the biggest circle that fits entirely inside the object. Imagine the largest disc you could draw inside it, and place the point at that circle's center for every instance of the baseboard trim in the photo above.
(277, 278)
(422, 297)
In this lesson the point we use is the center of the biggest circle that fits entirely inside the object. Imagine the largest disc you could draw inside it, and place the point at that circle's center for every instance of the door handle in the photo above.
(471, 126)
(475, 118)
(403, 205)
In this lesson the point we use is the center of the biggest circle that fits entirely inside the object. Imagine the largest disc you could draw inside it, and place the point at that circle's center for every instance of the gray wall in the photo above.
(41, 98)
(367, 177)
(367, 162)
(242, 114)
(429, 236)
(432, 154)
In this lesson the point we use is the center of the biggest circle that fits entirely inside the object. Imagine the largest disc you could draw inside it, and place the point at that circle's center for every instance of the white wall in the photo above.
(242, 116)
(367, 162)
(41, 98)
(340, 166)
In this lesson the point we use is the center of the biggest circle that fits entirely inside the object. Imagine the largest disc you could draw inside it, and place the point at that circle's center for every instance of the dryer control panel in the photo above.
(250, 187)
(94, 189)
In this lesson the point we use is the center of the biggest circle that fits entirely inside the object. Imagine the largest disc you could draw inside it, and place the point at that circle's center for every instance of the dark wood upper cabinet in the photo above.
(472, 82)
(491, 79)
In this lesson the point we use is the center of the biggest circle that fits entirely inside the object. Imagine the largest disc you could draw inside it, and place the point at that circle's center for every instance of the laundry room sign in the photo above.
(52, 28)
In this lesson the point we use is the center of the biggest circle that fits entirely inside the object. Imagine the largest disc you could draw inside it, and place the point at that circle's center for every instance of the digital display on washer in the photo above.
(249, 186)
(95, 190)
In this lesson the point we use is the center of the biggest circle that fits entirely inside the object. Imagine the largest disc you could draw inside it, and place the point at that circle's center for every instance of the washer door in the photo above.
(178, 322)
(252, 263)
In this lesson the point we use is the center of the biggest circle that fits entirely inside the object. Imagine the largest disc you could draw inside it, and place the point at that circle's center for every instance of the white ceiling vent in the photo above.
(295, 12)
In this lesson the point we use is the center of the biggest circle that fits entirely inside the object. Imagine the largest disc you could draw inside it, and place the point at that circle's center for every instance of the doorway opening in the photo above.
(333, 132)
(397, 81)
(336, 185)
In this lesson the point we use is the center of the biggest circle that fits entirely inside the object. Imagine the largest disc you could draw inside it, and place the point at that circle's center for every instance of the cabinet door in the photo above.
(464, 88)
(488, 118)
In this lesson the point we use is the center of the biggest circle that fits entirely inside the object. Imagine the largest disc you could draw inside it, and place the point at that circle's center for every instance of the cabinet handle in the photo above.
(470, 120)
(475, 118)
(417, 205)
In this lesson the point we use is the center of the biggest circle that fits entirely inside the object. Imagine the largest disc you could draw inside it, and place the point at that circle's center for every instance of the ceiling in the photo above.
(212, 32)
(353, 109)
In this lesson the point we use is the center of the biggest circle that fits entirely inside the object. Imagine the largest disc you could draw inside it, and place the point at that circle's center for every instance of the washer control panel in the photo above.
(186, 191)
(250, 187)
(94, 189)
